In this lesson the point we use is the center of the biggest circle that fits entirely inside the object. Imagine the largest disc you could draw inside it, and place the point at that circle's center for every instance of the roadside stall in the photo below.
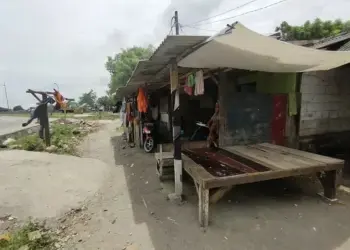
(245, 88)
(259, 108)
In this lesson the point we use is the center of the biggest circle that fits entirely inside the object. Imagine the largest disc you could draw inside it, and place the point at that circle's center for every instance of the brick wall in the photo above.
(325, 101)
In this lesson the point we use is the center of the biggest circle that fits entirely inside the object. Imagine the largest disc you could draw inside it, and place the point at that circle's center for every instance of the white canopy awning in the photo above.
(240, 48)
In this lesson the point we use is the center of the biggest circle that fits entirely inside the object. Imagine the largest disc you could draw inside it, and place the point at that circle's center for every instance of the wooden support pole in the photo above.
(203, 206)
(176, 120)
(328, 181)
(44, 121)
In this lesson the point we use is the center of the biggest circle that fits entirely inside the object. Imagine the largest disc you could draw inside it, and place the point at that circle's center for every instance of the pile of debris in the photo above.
(83, 126)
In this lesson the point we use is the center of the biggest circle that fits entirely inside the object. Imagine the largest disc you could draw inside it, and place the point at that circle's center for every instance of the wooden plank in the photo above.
(316, 157)
(294, 159)
(197, 172)
(164, 155)
(267, 175)
(214, 198)
(260, 157)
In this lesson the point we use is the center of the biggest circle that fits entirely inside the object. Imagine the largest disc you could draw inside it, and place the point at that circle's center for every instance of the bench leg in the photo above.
(214, 198)
(159, 168)
(203, 205)
(328, 181)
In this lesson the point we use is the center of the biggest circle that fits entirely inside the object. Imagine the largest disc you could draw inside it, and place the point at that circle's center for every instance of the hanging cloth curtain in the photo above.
(199, 87)
(142, 104)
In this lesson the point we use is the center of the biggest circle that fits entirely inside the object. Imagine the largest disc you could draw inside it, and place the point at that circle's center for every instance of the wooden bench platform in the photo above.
(165, 165)
(280, 162)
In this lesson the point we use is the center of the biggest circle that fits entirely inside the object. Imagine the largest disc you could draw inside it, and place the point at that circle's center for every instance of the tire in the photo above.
(148, 145)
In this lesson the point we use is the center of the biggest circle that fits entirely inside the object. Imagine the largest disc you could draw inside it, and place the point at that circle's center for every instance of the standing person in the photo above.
(213, 124)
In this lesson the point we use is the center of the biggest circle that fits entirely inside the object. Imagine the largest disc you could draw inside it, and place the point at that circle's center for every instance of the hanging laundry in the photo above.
(199, 87)
(188, 90)
(190, 80)
(59, 99)
(142, 104)
(129, 116)
(189, 83)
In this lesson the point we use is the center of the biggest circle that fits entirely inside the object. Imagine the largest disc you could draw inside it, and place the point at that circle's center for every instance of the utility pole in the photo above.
(7, 100)
(177, 25)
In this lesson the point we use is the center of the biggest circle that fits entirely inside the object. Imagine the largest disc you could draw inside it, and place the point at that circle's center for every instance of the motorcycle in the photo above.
(148, 137)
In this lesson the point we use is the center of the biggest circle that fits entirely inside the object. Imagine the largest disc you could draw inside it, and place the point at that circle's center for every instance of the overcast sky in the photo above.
(67, 41)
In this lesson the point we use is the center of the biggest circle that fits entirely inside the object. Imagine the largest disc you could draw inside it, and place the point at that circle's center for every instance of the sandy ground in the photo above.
(43, 185)
(130, 211)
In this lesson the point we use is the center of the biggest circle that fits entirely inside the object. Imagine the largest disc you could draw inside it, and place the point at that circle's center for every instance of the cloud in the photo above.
(67, 42)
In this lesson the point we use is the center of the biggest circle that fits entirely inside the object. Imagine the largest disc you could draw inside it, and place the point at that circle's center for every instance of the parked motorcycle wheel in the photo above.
(148, 145)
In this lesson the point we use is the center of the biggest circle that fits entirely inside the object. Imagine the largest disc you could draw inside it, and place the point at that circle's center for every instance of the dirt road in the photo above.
(131, 211)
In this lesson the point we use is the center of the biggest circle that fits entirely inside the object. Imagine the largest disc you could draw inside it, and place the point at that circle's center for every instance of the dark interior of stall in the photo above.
(193, 109)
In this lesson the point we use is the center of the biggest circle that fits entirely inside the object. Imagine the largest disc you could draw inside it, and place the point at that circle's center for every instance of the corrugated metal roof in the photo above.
(175, 46)
(155, 70)
(129, 89)
(144, 71)
(331, 40)
(124, 91)
(345, 47)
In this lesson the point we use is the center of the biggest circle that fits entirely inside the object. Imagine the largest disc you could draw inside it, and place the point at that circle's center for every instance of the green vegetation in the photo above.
(89, 116)
(123, 64)
(31, 236)
(29, 143)
(88, 98)
(64, 138)
(313, 30)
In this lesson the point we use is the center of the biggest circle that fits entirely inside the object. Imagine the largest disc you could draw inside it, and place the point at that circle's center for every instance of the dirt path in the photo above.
(131, 212)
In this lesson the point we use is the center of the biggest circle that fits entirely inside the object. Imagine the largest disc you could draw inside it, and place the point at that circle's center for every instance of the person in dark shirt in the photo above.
(39, 113)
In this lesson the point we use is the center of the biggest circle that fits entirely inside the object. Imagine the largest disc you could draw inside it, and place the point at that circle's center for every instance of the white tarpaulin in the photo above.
(241, 48)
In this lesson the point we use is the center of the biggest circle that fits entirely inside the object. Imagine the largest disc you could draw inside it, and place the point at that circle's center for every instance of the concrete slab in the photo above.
(11, 124)
(44, 185)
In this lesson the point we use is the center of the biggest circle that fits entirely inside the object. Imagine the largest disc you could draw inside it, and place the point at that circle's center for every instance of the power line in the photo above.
(236, 8)
(245, 13)
(181, 29)
(171, 25)
(192, 27)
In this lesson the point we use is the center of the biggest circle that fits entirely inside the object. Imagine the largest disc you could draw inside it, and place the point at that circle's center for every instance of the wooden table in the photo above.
(280, 162)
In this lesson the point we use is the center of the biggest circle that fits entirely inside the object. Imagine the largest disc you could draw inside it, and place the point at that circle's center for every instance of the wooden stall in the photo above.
(216, 172)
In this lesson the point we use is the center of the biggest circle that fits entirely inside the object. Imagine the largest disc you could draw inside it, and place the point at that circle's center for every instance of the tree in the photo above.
(313, 30)
(122, 65)
(89, 98)
(105, 101)
(18, 108)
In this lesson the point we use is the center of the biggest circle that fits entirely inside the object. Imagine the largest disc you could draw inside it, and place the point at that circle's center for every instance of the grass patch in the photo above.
(64, 139)
(31, 236)
(29, 143)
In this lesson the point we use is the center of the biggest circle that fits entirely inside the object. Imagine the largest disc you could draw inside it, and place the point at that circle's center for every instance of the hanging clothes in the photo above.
(129, 116)
(190, 82)
(142, 104)
(199, 87)
(59, 100)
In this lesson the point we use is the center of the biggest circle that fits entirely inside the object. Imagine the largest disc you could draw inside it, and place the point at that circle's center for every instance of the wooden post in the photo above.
(44, 122)
(203, 206)
(176, 120)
